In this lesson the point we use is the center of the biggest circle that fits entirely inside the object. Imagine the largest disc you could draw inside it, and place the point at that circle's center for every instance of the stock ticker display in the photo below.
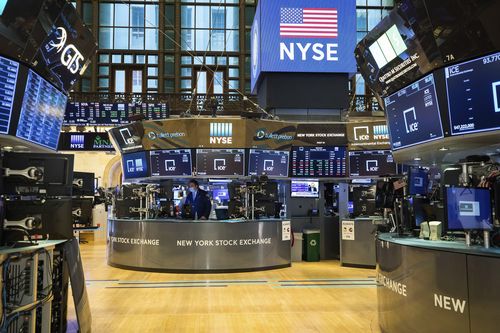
(8, 77)
(110, 114)
(271, 162)
(413, 114)
(473, 89)
(166, 163)
(318, 162)
(220, 162)
(42, 112)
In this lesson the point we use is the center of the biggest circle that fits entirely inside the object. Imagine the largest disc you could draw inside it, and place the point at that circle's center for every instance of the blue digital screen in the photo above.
(42, 112)
(171, 162)
(318, 162)
(8, 78)
(3, 3)
(468, 208)
(413, 114)
(473, 89)
(220, 194)
(273, 163)
(316, 36)
(135, 165)
(418, 181)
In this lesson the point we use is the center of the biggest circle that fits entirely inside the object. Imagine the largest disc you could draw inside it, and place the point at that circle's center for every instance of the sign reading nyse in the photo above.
(315, 36)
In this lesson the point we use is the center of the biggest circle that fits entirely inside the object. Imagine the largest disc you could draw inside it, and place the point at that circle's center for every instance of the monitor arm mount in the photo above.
(78, 182)
(32, 173)
(28, 223)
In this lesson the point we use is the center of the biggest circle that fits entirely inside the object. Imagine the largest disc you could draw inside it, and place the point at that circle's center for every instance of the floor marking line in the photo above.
(164, 287)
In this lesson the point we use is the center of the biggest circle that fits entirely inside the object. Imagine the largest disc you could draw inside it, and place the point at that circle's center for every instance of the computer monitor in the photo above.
(136, 165)
(83, 183)
(273, 163)
(305, 188)
(38, 174)
(220, 162)
(418, 181)
(220, 194)
(52, 217)
(122, 208)
(171, 163)
(82, 211)
(468, 209)
(318, 162)
(9, 70)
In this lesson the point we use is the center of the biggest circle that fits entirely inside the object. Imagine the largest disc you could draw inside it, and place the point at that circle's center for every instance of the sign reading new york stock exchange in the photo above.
(247, 133)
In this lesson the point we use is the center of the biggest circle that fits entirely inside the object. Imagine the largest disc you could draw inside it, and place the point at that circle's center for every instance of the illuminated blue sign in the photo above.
(316, 36)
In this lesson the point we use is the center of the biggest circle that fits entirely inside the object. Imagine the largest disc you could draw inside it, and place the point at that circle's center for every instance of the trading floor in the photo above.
(307, 297)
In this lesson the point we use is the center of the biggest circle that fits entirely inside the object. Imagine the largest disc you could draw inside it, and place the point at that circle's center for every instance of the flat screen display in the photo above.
(318, 162)
(8, 78)
(273, 163)
(42, 112)
(220, 194)
(468, 208)
(418, 181)
(473, 90)
(371, 163)
(166, 163)
(413, 114)
(220, 162)
(305, 188)
(135, 165)
(108, 114)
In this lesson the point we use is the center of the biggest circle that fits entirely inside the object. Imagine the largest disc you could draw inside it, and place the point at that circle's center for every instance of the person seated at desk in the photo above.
(198, 201)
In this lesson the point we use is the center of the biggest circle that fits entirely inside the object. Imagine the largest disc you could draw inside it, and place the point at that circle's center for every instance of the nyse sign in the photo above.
(314, 36)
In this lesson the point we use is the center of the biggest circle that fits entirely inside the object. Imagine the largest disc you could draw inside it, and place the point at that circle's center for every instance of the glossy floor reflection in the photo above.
(308, 297)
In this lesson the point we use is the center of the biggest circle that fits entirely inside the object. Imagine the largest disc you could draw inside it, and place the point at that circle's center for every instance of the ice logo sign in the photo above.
(220, 164)
(71, 57)
(170, 165)
(411, 123)
(372, 166)
(496, 95)
(127, 136)
(268, 165)
(361, 133)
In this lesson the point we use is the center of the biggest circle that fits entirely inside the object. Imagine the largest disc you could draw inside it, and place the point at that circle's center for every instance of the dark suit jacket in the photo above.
(201, 204)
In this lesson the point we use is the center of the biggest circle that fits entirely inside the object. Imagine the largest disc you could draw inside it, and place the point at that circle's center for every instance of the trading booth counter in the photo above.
(174, 245)
(436, 286)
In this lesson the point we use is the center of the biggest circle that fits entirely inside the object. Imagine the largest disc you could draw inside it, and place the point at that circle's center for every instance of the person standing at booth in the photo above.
(198, 201)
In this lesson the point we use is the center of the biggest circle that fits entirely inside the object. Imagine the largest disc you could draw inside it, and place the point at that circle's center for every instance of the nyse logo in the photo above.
(268, 165)
(71, 57)
(372, 166)
(170, 165)
(362, 133)
(309, 23)
(221, 133)
(220, 164)
(411, 122)
(77, 142)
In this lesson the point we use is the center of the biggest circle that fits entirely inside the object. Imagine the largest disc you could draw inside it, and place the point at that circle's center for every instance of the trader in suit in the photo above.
(198, 200)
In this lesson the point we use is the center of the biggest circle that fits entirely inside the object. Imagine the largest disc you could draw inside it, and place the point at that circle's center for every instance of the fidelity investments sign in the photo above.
(303, 36)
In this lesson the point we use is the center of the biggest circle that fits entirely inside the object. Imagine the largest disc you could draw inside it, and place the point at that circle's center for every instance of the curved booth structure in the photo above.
(436, 286)
(173, 245)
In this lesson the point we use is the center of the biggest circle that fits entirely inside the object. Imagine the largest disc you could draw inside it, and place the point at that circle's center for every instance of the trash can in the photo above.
(297, 247)
(311, 245)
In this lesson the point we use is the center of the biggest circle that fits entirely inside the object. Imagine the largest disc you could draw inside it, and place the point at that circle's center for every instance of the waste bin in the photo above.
(311, 245)
(297, 247)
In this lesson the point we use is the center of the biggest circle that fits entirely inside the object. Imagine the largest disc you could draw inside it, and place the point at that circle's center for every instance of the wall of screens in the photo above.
(110, 114)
